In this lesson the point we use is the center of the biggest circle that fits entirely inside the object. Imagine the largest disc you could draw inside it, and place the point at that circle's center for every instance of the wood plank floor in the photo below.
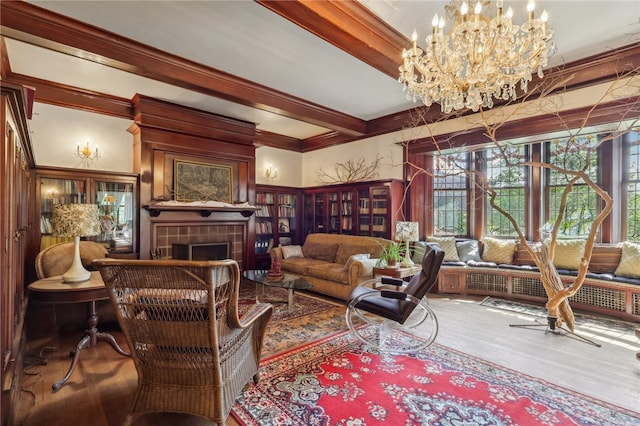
(100, 389)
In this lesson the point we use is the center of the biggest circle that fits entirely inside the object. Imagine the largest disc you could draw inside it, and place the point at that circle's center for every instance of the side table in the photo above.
(397, 272)
(53, 290)
(402, 273)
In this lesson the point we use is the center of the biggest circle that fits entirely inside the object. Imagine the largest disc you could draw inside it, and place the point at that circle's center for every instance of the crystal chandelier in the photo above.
(479, 59)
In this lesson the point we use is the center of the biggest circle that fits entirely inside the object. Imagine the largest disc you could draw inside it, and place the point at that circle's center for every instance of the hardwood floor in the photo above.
(100, 390)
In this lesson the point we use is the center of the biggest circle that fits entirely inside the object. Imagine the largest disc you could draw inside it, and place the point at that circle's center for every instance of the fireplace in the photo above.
(171, 240)
(202, 251)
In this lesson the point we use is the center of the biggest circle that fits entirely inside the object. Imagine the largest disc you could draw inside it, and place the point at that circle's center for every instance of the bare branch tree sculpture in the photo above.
(558, 292)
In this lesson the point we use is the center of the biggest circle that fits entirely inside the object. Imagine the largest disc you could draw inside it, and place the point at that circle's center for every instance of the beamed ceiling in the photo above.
(310, 74)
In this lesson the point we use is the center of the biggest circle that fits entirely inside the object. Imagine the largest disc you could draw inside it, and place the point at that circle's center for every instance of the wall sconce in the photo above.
(270, 173)
(86, 154)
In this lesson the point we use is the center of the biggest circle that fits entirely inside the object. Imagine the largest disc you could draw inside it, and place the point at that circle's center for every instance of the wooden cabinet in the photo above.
(16, 233)
(277, 221)
(115, 194)
(365, 208)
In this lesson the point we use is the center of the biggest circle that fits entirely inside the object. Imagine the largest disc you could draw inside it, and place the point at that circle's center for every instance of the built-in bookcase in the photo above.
(366, 208)
(277, 220)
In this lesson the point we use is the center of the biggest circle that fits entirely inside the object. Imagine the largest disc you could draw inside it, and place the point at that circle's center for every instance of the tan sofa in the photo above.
(326, 262)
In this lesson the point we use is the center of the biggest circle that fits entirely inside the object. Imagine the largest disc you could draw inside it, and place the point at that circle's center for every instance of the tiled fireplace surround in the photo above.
(167, 234)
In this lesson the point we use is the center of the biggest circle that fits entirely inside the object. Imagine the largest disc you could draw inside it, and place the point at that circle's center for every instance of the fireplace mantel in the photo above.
(155, 210)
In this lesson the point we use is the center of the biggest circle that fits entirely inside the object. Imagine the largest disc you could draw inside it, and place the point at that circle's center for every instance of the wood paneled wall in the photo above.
(165, 132)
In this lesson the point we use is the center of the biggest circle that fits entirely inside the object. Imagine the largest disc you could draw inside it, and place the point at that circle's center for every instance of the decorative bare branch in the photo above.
(540, 100)
(351, 171)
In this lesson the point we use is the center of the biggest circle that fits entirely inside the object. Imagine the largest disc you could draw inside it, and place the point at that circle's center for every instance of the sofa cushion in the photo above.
(527, 268)
(418, 249)
(482, 264)
(448, 245)
(361, 256)
(568, 253)
(291, 251)
(629, 265)
(498, 251)
(347, 249)
(326, 252)
(329, 271)
(299, 265)
(469, 250)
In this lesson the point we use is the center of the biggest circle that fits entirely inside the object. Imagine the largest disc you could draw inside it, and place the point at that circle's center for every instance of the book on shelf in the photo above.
(264, 228)
(263, 246)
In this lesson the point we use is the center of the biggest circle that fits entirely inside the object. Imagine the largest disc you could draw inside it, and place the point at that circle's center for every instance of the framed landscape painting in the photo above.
(202, 182)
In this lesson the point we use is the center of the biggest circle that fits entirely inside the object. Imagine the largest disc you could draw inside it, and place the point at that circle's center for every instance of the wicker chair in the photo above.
(192, 352)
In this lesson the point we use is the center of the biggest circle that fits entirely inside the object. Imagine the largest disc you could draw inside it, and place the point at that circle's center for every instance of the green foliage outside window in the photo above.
(576, 153)
(508, 181)
(450, 199)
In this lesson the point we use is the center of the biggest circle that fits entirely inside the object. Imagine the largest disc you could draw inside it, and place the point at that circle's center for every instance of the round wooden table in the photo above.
(53, 290)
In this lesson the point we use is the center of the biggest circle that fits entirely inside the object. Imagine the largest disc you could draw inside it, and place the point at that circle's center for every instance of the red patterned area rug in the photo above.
(339, 381)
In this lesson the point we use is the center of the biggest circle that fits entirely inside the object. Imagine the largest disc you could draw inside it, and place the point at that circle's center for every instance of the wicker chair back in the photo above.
(192, 351)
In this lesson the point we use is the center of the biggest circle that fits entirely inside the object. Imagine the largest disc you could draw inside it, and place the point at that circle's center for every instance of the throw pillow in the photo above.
(629, 265)
(448, 245)
(291, 251)
(353, 257)
(469, 250)
(419, 248)
(326, 252)
(498, 251)
(568, 253)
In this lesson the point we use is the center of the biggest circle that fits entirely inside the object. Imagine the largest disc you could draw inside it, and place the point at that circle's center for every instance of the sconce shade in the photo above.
(76, 220)
(407, 231)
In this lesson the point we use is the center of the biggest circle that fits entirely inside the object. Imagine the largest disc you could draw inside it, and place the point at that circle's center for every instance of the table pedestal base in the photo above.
(91, 338)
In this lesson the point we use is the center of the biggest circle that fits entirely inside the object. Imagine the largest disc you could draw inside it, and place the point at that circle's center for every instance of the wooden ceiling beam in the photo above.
(57, 94)
(350, 26)
(32, 24)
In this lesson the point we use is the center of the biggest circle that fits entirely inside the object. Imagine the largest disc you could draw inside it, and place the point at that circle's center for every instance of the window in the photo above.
(632, 179)
(533, 196)
(450, 194)
(508, 181)
(581, 209)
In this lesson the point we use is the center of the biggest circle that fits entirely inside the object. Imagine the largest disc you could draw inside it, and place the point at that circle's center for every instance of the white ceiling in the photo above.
(247, 40)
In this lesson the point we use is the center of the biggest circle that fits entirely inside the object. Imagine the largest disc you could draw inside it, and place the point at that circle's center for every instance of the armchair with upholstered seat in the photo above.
(57, 258)
(192, 351)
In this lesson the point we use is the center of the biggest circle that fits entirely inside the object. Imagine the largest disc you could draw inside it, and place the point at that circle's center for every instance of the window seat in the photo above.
(602, 291)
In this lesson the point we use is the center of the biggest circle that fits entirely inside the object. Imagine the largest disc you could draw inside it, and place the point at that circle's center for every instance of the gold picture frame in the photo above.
(195, 181)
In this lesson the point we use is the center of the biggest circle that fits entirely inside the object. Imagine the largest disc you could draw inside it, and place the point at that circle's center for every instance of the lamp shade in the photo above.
(76, 220)
(407, 231)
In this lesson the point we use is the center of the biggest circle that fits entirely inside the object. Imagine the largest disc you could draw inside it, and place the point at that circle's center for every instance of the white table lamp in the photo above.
(76, 220)
(407, 231)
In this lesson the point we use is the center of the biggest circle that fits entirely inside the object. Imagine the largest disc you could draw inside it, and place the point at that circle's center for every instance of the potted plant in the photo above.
(390, 256)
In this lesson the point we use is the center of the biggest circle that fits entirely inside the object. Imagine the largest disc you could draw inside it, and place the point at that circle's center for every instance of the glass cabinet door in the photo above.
(334, 211)
(346, 210)
(116, 204)
(287, 224)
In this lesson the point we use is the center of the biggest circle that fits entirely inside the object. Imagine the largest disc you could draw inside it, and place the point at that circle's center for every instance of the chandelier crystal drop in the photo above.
(479, 59)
